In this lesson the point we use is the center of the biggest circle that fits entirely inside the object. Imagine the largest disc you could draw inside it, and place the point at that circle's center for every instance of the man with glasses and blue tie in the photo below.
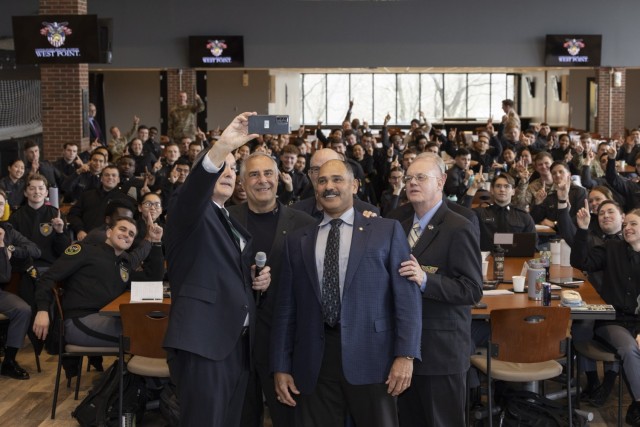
(445, 265)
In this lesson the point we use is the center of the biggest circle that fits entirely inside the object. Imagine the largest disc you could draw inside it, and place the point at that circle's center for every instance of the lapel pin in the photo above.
(360, 228)
(430, 227)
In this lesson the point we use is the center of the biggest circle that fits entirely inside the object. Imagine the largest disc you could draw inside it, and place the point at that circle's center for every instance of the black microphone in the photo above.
(261, 261)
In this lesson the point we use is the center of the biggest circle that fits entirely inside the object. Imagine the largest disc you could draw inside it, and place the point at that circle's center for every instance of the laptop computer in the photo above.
(516, 244)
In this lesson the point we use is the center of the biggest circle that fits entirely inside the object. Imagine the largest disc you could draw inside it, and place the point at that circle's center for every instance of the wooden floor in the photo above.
(28, 403)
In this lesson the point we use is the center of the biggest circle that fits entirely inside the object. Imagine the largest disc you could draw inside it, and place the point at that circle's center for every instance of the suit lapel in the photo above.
(284, 226)
(431, 231)
(359, 239)
(308, 248)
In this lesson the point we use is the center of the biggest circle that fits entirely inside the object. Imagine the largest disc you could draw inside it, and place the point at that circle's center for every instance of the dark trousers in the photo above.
(434, 401)
(210, 392)
(261, 381)
(370, 405)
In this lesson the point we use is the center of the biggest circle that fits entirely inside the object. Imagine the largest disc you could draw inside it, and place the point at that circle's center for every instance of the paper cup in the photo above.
(518, 283)
(485, 267)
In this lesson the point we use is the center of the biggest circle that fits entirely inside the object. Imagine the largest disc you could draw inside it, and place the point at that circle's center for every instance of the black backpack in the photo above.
(523, 408)
(100, 407)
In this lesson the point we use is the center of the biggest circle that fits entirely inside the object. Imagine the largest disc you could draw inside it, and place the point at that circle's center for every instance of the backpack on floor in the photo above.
(100, 407)
(527, 409)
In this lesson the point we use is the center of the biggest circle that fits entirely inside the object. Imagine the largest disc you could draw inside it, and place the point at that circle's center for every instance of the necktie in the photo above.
(414, 234)
(502, 223)
(331, 276)
(235, 234)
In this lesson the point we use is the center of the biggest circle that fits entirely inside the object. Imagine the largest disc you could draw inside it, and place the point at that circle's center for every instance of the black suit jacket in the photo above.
(449, 251)
(210, 278)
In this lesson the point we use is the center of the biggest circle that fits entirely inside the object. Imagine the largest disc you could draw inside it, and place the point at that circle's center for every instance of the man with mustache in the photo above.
(346, 325)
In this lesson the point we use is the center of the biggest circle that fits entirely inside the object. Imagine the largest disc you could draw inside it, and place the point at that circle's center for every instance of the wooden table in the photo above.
(513, 267)
(113, 308)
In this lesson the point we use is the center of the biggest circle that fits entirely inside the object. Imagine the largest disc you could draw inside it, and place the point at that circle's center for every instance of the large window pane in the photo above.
(338, 98)
(408, 98)
(478, 92)
(431, 96)
(498, 93)
(384, 97)
(362, 94)
(511, 86)
(314, 101)
(455, 95)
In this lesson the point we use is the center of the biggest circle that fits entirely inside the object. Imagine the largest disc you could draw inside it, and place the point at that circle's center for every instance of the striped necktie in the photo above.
(414, 234)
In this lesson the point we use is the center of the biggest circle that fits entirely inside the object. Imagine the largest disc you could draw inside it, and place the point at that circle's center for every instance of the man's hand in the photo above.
(154, 231)
(287, 181)
(263, 280)
(386, 119)
(284, 384)
(399, 376)
(234, 136)
(612, 152)
(57, 223)
(583, 217)
(412, 271)
(540, 195)
(81, 235)
(41, 324)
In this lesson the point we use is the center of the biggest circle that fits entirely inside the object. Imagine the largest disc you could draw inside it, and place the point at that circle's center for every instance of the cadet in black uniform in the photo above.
(502, 216)
(13, 244)
(94, 275)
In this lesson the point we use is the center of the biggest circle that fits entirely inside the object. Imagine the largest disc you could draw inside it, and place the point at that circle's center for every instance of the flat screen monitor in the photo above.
(56, 39)
(572, 50)
(216, 51)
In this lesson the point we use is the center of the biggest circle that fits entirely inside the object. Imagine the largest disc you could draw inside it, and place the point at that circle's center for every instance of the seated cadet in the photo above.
(13, 184)
(13, 244)
(86, 177)
(502, 216)
(88, 212)
(93, 276)
(457, 182)
(43, 225)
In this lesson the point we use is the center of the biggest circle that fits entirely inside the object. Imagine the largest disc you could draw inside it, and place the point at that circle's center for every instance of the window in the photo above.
(440, 96)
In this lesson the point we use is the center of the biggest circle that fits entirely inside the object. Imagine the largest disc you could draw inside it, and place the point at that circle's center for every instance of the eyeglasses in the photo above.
(157, 205)
(421, 177)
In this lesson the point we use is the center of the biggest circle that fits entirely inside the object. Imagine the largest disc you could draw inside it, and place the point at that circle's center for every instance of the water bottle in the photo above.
(498, 263)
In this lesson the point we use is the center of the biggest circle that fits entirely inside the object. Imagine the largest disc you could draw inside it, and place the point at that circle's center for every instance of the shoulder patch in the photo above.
(73, 249)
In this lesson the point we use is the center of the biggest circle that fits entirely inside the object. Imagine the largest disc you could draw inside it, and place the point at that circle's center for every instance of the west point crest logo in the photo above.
(216, 47)
(573, 46)
(56, 32)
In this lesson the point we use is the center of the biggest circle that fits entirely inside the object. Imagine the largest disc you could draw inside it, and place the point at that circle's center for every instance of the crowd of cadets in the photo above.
(142, 162)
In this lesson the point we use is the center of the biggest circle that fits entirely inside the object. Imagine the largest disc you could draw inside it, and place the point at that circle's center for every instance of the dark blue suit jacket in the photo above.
(380, 312)
(210, 279)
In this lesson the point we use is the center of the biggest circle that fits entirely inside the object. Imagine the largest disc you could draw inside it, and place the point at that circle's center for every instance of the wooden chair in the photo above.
(70, 350)
(599, 352)
(524, 346)
(143, 329)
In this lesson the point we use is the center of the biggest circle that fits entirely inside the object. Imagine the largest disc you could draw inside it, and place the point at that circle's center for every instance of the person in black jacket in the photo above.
(93, 275)
(620, 264)
(13, 244)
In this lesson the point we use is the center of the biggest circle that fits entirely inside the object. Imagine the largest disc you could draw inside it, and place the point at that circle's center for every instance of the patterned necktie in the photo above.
(331, 276)
(414, 235)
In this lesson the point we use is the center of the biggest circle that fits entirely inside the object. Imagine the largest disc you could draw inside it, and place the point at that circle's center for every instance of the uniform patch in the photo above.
(73, 249)
(124, 273)
(46, 229)
(429, 269)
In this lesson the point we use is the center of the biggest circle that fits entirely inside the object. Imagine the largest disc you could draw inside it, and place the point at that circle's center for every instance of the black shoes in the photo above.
(633, 414)
(96, 363)
(10, 368)
(600, 395)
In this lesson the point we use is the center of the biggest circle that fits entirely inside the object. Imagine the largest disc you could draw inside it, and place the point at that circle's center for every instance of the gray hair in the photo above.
(243, 167)
(435, 158)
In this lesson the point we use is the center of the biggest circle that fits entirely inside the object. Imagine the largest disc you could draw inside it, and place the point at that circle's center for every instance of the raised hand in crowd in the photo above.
(583, 216)
(58, 223)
